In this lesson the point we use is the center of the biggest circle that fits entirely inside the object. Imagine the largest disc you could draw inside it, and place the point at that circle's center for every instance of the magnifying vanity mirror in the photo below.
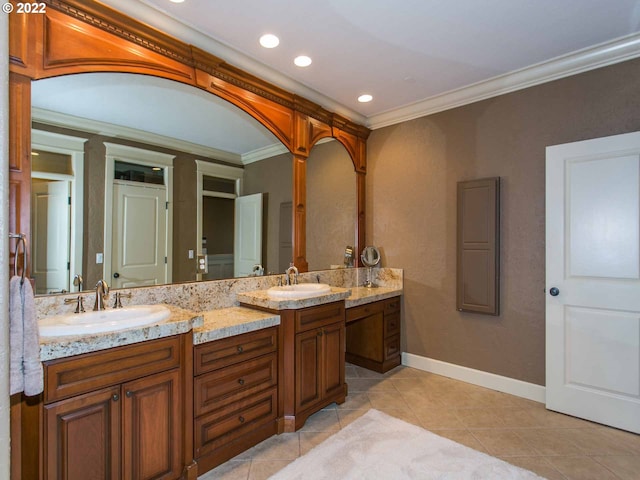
(370, 257)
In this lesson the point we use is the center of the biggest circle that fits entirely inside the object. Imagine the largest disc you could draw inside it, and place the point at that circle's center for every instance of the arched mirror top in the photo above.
(85, 36)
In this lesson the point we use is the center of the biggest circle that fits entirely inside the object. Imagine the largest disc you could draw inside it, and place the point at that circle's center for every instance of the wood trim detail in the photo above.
(78, 36)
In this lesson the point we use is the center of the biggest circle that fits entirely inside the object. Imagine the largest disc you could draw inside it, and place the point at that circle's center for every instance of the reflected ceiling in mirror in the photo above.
(136, 113)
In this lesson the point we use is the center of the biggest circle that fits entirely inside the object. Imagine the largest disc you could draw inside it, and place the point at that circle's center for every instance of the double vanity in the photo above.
(227, 365)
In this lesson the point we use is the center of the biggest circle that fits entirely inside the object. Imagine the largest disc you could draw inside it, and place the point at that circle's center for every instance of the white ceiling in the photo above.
(414, 56)
(403, 52)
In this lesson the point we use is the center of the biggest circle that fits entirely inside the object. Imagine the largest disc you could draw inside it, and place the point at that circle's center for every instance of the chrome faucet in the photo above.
(287, 273)
(102, 289)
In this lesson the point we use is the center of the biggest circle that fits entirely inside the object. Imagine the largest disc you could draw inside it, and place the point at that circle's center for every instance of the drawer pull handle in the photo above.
(241, 381)
(129, 393)
(241, 419)
(240, 349)
(115, 397)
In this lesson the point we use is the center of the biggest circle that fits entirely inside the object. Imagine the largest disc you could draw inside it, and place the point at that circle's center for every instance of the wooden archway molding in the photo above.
(79, 36)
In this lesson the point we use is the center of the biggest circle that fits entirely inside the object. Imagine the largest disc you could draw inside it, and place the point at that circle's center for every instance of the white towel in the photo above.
(26, 373)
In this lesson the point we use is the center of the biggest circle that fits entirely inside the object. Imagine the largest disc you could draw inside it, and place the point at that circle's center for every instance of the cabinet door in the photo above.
(308, 367)
(333, 347)
(152, 427)
(82, 437)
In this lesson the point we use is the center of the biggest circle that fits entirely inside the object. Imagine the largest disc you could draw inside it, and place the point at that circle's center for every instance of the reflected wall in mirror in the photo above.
(331, 205)
(117, 136)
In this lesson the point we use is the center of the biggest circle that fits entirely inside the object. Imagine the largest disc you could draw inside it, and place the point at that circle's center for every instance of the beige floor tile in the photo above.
(231, 470)
(322, 421)
(385, 399)
(626, 467)
(348, 416)
(463, 437)
(593, 441)
(481, 417)
(537, 465)
(439, 418)
(550, 441)
(503, 442)
(355, 401)
(548, 418)
(308, 440)
(370, 384)
(405, 414)
(419, 400)
(263, 469)
(581, 468)
(285, 446)
(630, 440)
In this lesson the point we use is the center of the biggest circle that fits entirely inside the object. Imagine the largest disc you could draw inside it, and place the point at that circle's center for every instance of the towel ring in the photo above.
(22, 239)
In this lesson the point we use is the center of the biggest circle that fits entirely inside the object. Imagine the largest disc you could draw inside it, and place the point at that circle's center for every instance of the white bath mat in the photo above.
(378, 446)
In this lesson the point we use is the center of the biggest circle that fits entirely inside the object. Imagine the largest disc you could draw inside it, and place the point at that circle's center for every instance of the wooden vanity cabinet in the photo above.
(116, 414)
(319, 358)
(235, 395)
(373, 335)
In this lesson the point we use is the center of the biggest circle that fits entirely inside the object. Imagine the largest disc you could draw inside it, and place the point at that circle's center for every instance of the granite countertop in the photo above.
(227, 322)
(210, 325)
(260, 298)
(180, 321)
(364, 295)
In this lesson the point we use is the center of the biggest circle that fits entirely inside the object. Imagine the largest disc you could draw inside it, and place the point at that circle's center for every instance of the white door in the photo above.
(593, 280)
(139, 235)
(51, 224)
(247, 239)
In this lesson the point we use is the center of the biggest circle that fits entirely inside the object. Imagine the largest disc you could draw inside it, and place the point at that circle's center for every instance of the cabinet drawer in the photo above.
(392, 305)
(391, 324)
(314, 317)
(391, 347)
(232, 350)
(228, 423)
(356, 313)
(216, 389)
(91, 371)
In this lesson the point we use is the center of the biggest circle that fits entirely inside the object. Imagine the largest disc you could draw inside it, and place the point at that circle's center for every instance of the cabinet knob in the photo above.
(129, 393)
(241, 419)
(240, 349)
(241, 381)
(319, 333)
(115, 397)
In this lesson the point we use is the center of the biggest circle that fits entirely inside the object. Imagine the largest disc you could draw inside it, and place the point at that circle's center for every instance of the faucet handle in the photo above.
(79, 301)
(118, 300)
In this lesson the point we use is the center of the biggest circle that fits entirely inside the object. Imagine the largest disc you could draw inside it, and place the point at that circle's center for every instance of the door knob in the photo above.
(116, 275)
(554, 292)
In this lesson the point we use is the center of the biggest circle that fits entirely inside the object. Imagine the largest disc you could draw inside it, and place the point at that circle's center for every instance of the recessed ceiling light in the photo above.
(269, 40)
(365, 98)
(176, 1)
(302, 61)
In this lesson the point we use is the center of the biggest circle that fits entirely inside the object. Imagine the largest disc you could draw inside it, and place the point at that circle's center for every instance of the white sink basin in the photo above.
(102, 321)
(300, 290)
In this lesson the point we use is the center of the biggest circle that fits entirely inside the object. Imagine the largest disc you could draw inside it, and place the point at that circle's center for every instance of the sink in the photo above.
(300, 290)
(102, 321)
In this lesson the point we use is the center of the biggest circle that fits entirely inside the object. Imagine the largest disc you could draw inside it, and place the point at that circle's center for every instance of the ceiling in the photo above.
(414, 56)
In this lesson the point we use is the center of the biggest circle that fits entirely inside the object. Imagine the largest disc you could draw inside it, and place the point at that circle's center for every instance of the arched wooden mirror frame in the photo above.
(76, 36)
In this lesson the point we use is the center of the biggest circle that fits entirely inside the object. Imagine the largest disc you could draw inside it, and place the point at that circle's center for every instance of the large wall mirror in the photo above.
(176, 152)
(130, 149)
(331, 203)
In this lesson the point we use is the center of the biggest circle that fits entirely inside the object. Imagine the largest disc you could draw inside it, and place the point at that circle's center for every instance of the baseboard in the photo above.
(476, 377)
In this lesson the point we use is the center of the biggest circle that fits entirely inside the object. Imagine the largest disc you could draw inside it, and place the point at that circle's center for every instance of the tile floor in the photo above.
(519, 431)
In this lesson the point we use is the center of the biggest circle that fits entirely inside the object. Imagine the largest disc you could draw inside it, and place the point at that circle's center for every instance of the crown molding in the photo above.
(161, 20)
(264, 153)
(608, 53)
(117, 131)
